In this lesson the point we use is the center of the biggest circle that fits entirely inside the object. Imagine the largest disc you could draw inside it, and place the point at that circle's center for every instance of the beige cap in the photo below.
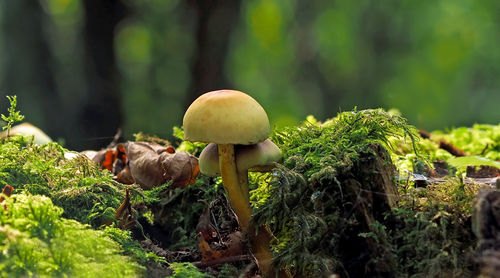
(27, 129)
(226, 117)
(257, 157)
(209, 160)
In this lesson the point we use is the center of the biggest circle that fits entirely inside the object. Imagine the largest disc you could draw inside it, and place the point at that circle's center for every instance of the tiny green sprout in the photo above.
(14, 116)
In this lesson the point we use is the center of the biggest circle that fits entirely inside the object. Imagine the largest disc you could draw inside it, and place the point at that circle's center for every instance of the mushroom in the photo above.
(228, 118)
(258, 157)
(27, 129)
(209, 160)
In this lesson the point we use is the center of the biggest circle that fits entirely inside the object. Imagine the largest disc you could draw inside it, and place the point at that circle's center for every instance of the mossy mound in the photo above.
(36, 240)
(85, 192)
(77, 187)
(321, 222)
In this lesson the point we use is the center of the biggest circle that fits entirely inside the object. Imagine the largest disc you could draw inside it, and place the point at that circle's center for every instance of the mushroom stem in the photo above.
(240, 203)
(260, 237)
(230, 180)
(243, 182)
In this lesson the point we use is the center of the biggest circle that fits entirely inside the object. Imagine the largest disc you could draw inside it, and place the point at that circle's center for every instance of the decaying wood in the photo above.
(385, 191)
(482, 172)
(486, 226)
(372, 196)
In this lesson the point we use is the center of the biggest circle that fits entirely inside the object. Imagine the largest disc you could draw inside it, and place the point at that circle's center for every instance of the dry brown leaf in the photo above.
(144, 163)
(113, 159)
(147, 164)
(204, 228)
(153, 165)
(182, 168)
(233, 246)
(124, 213)
(124, 176)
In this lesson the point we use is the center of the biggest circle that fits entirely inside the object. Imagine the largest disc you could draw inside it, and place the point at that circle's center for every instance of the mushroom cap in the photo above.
(209, 160)
(27, 129)
(256, 156)
(226, 117)
(248, 157)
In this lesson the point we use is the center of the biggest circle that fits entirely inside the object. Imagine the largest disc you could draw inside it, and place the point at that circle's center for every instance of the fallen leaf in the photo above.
(147, 164)
(124, 213)
(232, 246)
(153, 165)
(182, 168)
(204, 227)
(125, 176)
(109, 158)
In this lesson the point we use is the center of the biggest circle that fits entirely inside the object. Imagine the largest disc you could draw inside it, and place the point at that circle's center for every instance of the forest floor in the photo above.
(363, 194)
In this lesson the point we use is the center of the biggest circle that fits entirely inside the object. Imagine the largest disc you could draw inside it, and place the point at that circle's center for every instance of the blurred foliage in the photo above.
(479, 142)
(480, 139)
(436, 62)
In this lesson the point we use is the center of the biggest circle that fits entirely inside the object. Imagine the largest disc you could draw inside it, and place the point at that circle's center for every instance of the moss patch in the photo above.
(36, 240)
(307, 203)
(85, 192)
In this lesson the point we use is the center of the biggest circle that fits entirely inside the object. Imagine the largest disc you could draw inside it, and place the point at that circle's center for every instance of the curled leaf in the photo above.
(153, 165)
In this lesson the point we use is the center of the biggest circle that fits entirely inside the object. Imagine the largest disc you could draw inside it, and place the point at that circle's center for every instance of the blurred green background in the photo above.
(83, 69)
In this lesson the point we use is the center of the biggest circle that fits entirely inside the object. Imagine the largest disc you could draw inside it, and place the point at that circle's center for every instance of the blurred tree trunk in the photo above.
(102, 114)
(27, 66)
(216, 21)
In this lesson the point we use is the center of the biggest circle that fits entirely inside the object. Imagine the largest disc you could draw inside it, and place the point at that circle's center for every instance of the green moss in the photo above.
(78, 186)
(480, 139)
(306, 209)
(187, 270)
(406, 160)
(178, 210)
(132, 247)
(481, 142)
(85, 192)
(37, 241)
(430, 231)
(427, 234)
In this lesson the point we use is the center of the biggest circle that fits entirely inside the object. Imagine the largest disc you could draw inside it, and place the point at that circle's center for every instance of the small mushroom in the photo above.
(228, 118)
(209, 160)
(27, 129)
(258, 157)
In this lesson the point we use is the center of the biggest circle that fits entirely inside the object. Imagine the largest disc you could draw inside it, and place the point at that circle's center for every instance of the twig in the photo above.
(115, 140)
(216, 226)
